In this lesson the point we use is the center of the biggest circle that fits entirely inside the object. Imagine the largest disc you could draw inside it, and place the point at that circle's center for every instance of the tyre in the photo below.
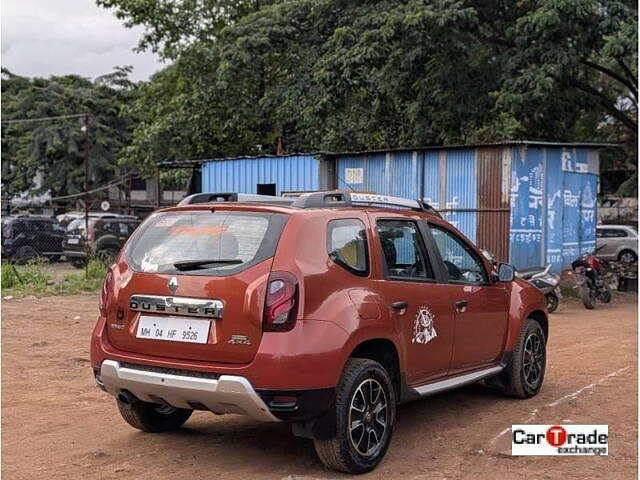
(151, 417)
(365, 410)
(24, 254)
(77, 262)
(552, 302)
(107, 255)
(525, 373)
(627, 256)
(588, 299)
(605, 297)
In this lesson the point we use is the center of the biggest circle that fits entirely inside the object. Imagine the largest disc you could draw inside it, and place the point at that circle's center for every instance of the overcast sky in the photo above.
(56, 37)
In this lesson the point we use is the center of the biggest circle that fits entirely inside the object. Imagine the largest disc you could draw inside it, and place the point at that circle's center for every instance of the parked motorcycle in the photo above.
(590, 279)
(541, 277)
(546, 281)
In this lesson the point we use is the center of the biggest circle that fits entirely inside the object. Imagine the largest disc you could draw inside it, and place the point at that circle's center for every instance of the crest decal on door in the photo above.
(423, 328)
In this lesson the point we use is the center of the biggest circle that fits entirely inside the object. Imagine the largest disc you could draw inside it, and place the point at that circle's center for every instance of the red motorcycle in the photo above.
(590, 279)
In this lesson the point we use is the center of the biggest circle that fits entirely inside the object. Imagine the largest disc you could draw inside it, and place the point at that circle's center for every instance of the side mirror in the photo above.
(506, 273)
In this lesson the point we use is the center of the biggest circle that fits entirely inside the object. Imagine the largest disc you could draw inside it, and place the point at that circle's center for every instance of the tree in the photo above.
(53, 151)
(343, 75)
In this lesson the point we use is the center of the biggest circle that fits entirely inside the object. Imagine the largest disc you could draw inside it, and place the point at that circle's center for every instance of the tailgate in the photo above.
(191, 285)
(226, 310)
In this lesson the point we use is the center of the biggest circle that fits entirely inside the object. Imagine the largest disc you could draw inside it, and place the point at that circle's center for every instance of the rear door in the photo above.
(420, 306)
(481, 307)
(172, 303)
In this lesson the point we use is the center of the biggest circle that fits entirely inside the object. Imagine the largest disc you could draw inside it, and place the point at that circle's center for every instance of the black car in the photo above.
(106, 235)
(25, 237)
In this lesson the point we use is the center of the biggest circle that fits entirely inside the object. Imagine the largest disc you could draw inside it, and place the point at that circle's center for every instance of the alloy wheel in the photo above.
(368, 418)
(533, 359)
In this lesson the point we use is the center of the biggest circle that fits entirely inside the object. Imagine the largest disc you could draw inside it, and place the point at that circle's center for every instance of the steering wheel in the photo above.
(415, 269)
(453, 271)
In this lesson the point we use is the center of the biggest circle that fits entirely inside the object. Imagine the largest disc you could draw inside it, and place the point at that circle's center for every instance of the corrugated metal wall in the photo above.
(291, 173)
(571, 190)
(449, 182)
(553, 206)
(530, 205)
(494, 176)
(527, 195)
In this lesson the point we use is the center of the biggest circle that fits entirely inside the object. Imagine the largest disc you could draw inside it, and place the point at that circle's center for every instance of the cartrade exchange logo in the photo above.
(559, 440)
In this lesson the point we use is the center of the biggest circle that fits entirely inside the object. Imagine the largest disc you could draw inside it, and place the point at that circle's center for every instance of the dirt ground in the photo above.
(57, 424)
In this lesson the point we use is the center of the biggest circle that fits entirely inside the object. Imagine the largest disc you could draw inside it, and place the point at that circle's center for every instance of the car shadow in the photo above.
(228, 441)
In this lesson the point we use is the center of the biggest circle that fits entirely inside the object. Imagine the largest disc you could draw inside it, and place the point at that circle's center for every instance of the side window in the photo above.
(618, 233)
(403, 250)
(347, 245)
(600, 233)
(461, 263)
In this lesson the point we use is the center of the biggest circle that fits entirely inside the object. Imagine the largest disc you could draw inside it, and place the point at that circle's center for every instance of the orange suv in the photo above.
(325, 312)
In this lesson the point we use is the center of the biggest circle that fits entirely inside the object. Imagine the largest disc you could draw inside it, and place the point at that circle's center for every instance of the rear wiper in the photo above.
(199, 264)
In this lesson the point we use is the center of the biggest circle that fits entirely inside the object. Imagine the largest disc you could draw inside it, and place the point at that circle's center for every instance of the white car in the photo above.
(617, 242)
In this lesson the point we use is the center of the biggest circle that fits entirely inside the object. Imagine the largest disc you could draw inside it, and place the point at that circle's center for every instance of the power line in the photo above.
(44, 119)
(104, 187)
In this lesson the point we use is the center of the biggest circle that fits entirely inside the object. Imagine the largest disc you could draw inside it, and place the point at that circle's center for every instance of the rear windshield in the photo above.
(231, 241)
(80, 224)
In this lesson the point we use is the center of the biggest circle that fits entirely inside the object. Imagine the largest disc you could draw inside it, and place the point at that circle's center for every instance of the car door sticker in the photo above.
(423, 329)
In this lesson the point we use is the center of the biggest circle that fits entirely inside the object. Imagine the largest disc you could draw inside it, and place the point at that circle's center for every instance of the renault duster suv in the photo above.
(325, 313)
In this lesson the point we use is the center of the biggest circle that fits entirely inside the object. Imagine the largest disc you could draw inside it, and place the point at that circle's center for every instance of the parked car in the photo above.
(325, 314)
(107, 233)
(617, 242)
(25, 237)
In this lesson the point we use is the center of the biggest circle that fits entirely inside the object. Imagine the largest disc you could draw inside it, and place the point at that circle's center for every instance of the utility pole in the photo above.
(87, 246)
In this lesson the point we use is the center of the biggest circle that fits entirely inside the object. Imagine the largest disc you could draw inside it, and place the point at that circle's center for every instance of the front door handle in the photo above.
(461, 305)
(399, 305)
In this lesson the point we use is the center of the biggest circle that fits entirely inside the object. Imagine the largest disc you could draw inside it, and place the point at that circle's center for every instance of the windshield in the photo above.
(221, 241)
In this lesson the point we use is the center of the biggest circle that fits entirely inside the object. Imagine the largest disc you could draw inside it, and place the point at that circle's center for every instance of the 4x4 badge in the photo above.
(173, 284)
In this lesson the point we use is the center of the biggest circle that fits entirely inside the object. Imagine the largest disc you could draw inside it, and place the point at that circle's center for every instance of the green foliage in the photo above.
(35, 279)
(54, 151)
(340, 75)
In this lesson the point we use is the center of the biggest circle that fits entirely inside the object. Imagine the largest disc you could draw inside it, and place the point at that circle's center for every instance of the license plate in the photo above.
(73, 241)
(173, 329)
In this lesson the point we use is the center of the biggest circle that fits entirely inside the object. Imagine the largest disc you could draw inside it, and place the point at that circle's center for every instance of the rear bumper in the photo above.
(220, 394)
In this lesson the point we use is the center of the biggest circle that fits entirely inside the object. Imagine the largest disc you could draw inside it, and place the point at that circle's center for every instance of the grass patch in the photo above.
(33, 279)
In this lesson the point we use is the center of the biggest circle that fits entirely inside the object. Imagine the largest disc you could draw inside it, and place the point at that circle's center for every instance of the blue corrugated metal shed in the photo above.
(287, 173)
(530, 202)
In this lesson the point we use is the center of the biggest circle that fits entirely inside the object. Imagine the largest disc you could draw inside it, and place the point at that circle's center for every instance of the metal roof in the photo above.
(501, 143)
(190, 163)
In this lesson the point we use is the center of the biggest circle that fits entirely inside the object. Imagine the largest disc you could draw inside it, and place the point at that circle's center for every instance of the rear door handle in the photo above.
(461, 305)
(399, 305)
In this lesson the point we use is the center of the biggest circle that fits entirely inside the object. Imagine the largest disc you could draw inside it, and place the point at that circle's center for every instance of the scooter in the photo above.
(546, 281)
(589, 278)
(540, 277)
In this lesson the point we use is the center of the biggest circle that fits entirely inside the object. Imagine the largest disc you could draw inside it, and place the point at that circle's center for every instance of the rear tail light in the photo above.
(106, 292)
(90, 235)
(280, 308)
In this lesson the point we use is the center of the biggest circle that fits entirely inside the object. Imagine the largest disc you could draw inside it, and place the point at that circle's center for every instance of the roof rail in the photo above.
(340, 198)
(212, 197)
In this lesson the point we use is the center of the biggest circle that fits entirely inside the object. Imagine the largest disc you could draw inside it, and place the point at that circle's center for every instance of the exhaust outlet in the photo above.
(127, 397)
